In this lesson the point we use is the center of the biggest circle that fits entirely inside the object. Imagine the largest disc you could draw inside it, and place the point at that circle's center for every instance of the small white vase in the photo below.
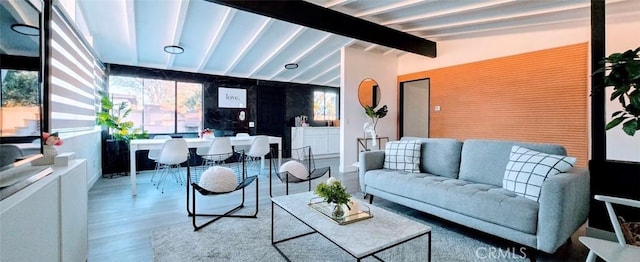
(49, 155)
(48, 150)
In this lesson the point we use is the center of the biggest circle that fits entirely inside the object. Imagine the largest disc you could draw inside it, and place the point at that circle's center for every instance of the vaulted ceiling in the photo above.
(224, 41)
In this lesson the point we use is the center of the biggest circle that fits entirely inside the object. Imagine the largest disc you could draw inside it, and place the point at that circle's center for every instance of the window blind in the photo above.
(75, 75)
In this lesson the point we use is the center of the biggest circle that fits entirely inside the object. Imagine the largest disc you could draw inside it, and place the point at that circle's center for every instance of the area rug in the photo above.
(242, 239)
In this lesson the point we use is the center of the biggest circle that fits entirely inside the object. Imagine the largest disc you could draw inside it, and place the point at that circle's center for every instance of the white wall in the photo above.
(85, 144)
(622, 34)
(356, 66)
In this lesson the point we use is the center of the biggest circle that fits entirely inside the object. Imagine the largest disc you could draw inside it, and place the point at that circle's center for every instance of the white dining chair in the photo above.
(242, 147)
(219, 151)
(174, 152)
(154, 154)
(258, 150)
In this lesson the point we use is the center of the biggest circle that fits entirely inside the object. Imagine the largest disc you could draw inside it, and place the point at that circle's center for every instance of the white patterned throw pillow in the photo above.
(402, 155)
(528, 169)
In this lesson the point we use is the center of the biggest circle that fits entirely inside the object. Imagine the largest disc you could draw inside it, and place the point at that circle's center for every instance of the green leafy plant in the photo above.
(112, 116)
(624, 75)
(375, 114)
(333, 192)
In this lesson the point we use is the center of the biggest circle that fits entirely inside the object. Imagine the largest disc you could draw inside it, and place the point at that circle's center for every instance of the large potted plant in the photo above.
(615, 177)
(115, 150)
(624, 76)
(112, 117)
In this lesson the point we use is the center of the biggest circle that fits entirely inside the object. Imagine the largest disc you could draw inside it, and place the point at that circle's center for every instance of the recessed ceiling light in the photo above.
(174, 49)
(291, 66)
(25, 29)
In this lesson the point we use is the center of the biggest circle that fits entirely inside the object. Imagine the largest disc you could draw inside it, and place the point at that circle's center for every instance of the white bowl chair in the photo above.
(174, 152)
(609, 250)
(259, 148)
(154, 154)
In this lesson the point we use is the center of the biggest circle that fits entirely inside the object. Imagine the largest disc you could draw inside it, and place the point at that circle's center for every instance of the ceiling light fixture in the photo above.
(174, 49)
(291, 66)
(25, 29)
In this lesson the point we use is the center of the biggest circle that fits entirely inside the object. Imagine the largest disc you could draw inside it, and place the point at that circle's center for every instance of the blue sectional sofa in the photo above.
(463, 182)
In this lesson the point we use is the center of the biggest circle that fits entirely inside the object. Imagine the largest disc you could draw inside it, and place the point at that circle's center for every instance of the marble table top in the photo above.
(360, 238)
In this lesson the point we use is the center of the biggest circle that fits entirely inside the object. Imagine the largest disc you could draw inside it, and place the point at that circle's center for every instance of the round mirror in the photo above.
(369, 93)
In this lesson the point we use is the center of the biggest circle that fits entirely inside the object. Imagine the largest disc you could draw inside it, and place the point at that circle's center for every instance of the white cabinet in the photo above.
(324, 141)
(47, 220)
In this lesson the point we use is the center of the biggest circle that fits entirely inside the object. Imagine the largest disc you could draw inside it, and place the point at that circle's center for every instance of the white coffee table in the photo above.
(360, 239)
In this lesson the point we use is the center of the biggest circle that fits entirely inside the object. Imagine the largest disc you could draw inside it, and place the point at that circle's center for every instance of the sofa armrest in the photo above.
(369, 160)
(564, 207)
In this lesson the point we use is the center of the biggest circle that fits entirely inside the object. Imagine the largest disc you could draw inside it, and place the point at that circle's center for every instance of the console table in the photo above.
(363, 144)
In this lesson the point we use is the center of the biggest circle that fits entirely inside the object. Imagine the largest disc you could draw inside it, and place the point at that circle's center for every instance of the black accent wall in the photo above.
(225, 121)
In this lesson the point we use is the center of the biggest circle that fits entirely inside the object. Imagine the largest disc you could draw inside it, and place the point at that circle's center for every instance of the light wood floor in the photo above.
(120, 225)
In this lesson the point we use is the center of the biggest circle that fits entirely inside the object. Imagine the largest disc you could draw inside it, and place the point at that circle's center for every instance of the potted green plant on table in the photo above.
(375, 115)
(624, 76)
(336, 195)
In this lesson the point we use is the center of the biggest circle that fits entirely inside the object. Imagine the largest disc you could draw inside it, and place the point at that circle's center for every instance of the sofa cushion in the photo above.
(527, 169)
(439, 156)
(402, 155)
(484, 161)
(485, 202)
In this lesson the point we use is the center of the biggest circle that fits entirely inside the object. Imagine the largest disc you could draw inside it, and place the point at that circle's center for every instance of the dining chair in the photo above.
(611, 250)
(218, 152)
(242, 147)
(154, 155)
(258, 150)
(174, 152)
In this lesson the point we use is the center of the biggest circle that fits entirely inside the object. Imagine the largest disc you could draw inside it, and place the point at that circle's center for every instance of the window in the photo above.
(325, 105)
(19, 96)
(159, 106)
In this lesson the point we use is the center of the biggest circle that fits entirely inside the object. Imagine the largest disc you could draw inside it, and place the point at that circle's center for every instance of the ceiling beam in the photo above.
(318, 17)
(449, 11)
(276, 51)
(503, 18)
(391, 6)
(220, 31)
(130, 21)
(338, 3)
(183, 6)
(305, 53)
(245, 49)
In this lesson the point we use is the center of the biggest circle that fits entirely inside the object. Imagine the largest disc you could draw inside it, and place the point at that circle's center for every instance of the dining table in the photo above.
(147, 144)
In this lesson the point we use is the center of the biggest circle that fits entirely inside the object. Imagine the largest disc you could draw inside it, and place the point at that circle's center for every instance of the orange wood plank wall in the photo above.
(538, 97)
